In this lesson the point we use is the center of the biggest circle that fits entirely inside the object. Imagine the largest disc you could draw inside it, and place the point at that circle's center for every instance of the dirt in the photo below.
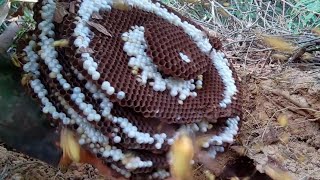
(271, 92)
(292, 93)
(17, 166)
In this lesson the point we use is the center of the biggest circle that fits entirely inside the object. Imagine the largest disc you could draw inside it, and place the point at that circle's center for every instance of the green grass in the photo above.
(289, 16)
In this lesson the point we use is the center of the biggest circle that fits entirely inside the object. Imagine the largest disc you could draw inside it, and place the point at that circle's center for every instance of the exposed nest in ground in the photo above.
(128, 79)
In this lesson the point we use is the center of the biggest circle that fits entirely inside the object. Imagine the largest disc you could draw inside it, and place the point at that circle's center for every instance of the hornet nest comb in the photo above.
(129, 79)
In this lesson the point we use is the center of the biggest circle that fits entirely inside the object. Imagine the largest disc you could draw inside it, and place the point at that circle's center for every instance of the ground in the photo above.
(280, 127)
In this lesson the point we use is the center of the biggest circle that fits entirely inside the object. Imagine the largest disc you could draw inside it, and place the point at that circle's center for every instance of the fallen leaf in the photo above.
(85, 50)
(60, 12)
(96, 15)
(99, 28)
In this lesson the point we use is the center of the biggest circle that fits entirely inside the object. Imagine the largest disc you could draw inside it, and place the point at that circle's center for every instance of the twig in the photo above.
(242, 40)
(309, 40)
(231, 15)
(298, 53)
(255, 50)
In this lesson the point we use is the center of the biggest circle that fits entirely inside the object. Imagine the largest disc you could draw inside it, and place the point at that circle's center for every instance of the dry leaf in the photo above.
(96, 15)
(61, 11)
(99, 28)
(85, 50)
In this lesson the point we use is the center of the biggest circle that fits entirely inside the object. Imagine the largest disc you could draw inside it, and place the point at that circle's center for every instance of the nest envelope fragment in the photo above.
(130, 79)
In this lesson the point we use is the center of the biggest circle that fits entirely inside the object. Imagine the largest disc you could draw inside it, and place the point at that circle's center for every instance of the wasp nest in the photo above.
(129, 79)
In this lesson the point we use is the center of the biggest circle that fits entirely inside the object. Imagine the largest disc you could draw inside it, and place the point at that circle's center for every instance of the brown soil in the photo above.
(272, 92)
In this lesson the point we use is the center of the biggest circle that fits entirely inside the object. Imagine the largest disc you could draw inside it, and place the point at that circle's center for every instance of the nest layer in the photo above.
(130, 79)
